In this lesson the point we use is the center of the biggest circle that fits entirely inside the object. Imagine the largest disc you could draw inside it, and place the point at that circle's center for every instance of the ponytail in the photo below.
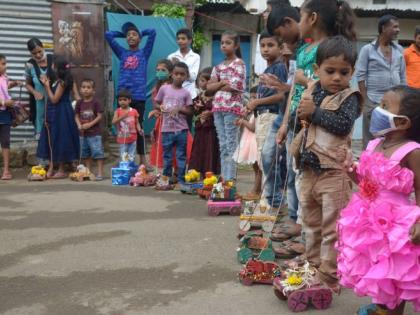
(236, 39)
(336, 17)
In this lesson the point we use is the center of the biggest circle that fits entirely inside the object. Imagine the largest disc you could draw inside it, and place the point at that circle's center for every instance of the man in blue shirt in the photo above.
(133, 69)
(380, 66)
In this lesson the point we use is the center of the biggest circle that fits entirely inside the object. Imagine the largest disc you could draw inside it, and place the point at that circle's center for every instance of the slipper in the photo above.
(283, 252)
(7, 176)
(59, 175)
(286, 232)
(99, 178)
(250, 196)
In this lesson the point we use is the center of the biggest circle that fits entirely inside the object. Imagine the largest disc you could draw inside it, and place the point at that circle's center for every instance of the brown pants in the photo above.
(322, 197)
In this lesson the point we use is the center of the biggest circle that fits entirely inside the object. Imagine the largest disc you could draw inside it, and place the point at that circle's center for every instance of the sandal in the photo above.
(293, 263)
(286, 232)
(59, 175)
(99, 178)
(250, 196)
(371, 309)
(283, 252)
(6, 176)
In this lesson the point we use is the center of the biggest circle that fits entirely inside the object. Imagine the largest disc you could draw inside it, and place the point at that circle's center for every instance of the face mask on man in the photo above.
(383, 122)
(162, 75)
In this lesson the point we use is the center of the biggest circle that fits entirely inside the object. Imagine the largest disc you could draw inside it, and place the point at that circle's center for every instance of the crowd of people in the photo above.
(295, 130)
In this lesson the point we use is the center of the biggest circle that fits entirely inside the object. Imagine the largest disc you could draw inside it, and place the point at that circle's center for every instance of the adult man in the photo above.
(380, 66)
(412, 61)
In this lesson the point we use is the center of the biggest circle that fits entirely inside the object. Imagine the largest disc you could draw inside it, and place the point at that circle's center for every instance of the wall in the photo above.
(367, 28)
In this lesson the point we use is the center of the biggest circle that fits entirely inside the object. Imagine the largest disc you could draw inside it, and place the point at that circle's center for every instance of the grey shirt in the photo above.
(377, 72)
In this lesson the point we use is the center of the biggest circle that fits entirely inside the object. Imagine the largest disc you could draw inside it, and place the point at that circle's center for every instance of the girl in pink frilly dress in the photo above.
(379, 230)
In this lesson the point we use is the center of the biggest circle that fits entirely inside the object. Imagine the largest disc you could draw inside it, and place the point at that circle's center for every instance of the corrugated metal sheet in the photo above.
(370, 6)
(19, 21)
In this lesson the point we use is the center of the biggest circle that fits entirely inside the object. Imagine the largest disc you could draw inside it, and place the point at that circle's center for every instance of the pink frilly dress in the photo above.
(246, 152)
(376, 257)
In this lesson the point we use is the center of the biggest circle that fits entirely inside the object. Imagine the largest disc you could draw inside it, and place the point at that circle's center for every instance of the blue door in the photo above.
(218, 56)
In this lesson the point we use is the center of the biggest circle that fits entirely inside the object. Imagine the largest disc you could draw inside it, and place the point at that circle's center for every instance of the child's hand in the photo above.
(281, 134)
(345, 157)
(154, 113)
(238, 122)
(415, 233)
(141, 132)
(174, 112)
(306, 108)
(38, 96)
(205, 115)
(252, 105)
(85, 126)
(300, 77)
(163, 108)
(44, 80)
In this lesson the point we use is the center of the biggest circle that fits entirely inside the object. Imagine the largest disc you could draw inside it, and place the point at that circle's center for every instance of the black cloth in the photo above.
(339, 122)
(5, 136)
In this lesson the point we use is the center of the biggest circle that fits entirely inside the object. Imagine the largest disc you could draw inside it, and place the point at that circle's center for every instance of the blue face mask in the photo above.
(162, 75)
(383, 122)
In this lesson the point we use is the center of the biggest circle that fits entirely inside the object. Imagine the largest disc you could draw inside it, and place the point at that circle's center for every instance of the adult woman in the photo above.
(39, 64)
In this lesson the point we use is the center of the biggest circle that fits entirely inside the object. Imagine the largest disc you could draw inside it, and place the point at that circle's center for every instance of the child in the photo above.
(164, 69)
(247, 151)
(89, 113)
(59, 139)
(5, 116)
(128, 126)
(228, 81)
(190, 58)
(379, 246)
(267, 107)
(330, 108)
(205, 155)
(175, 104)
(133, 69)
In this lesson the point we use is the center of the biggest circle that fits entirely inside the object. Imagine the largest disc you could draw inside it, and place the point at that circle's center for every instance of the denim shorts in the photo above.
(92, 147)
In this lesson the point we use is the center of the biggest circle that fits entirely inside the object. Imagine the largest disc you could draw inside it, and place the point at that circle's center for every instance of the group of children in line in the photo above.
(368, 242)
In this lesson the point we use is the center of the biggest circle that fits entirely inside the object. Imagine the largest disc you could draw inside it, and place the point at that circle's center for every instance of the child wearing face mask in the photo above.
(379, 244)
(329, 108)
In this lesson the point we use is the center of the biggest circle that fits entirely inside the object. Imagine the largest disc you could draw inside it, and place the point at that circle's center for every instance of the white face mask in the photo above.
(383, 122)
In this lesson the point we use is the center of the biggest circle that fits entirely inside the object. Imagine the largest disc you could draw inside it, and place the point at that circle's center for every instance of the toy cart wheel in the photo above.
(244, 225)
(246, 281)
(298, 301)
(322, 299)
(235, 211)
(280, 294)
(213, 211)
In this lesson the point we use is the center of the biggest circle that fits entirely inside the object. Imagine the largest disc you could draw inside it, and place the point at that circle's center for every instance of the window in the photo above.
(379, 1)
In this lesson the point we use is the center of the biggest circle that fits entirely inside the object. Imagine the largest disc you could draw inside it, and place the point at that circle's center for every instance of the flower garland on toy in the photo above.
(298, 278)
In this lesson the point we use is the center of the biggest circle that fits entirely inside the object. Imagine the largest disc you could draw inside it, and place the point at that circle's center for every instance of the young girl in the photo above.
(228, 82)
(329, 107)
(205, 155)
(247, 151)
(379, 246)
(59, 140)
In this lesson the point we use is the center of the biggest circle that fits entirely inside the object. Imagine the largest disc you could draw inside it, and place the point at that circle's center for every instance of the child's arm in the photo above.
(116, 119)
(187, 110)
(413, 161)
(151, 36)
(139, 130)
(14, 83)
(54, 97)
(274, 99)
(247, 124)
(93, 122)
(110, 37)
(75, 91)
(238, 82)
(7, 103)
(77, 119)
(214, 85)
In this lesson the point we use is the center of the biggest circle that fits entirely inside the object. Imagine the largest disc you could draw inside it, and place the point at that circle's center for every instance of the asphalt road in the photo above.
(90, 248)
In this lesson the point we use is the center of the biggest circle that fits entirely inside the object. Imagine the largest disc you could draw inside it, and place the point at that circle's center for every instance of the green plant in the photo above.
(169, 10)
(199, 40)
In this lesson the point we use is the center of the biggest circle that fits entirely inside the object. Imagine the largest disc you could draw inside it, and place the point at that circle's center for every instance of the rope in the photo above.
(225, 23)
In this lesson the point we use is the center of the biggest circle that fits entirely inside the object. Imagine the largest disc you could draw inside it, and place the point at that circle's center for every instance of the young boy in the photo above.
(5, 116)
(89, 113)
(128, 126)
(267, 107)
(329, 107)
(175, 103)
(133, 69)
(186, 55)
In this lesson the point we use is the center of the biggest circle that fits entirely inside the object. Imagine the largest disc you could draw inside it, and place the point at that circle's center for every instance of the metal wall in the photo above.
(19, 21)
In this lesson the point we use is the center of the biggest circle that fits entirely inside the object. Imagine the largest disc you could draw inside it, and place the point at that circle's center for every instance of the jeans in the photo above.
(292, 198)
(228, 134)
(129, 148)
(273, 158)
(367, 115)
(92, 147)
(170, 140)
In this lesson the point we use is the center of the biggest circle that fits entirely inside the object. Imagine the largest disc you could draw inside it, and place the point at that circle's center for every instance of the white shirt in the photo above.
(192, 60)
(260, 64)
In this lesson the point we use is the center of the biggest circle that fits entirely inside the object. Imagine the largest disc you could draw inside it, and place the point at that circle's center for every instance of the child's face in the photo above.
(334, 74)
(391, 102)
(38, 53)
(124, 102)
(202, 82)
(183, 41)
(270, 49)
(3, 66)
(288, 32)
(266, 13)
(133, 38)
(179, 75)
(228, 45)
(87, 90)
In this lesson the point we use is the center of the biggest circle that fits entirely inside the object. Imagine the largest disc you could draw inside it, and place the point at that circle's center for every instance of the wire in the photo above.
(225, 23)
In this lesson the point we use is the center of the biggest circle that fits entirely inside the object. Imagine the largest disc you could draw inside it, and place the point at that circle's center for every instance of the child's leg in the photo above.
(88, 163)
(131, 149)
(97, 153)
(232, 141)
(167, 145)
(258, 179)
(333, 191)
(220, 129)
(5, 149)
(181, 153)
(312, 217)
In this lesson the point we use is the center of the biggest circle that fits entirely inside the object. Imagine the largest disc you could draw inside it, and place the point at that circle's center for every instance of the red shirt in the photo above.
(127, 128)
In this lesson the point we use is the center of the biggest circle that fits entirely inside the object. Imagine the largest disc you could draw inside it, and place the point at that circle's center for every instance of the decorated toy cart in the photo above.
(37, 174)
(82, 173)
(143, 178)
(192, 183)
(255, 246)
(209, 181)
(257, 271)
(257, 214)
(223, 200)
(301, 289)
